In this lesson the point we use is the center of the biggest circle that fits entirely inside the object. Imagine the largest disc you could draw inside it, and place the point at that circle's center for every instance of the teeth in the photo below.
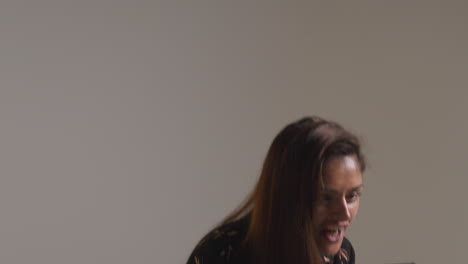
(334, 231)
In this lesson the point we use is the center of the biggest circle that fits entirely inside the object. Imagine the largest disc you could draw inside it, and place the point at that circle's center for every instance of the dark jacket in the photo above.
(224, 245)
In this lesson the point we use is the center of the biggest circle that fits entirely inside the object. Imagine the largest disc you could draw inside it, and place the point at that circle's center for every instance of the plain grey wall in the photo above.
(130, 128)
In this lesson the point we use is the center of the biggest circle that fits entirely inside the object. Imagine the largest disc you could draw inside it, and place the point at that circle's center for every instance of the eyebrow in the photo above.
(325, 189)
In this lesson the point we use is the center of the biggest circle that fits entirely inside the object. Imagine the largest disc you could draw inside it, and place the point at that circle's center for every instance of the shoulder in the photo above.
(221, 245)
(346, 253)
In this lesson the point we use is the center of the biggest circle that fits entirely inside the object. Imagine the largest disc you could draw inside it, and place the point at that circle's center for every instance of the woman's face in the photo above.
(338, 202)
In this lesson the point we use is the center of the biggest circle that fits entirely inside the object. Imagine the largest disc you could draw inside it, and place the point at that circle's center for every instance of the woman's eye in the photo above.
(352, 197)
(325, 198)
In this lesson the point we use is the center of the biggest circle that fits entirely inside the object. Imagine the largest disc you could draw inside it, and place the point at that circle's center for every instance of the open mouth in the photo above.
(333, 234)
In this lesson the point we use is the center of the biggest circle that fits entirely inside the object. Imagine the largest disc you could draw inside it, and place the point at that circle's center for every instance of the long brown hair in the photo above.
(280, 207)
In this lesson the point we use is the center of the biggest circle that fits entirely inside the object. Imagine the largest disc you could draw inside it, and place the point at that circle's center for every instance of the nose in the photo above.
(342, 210)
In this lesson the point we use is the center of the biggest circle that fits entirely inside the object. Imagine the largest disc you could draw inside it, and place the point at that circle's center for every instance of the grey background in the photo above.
(130, 128)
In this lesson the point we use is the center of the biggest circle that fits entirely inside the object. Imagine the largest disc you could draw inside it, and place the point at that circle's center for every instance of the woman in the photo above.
(307, 195)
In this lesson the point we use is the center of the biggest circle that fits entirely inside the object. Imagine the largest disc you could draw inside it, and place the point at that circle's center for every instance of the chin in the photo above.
(328, 249)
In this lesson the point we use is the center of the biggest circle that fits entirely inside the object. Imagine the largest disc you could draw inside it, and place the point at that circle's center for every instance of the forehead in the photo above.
(342, 173)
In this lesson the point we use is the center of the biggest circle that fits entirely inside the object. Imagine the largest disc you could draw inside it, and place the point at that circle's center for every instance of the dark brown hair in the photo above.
(281, 204)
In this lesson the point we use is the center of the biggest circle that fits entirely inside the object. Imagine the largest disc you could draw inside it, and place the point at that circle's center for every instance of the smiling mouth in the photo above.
(333, 234)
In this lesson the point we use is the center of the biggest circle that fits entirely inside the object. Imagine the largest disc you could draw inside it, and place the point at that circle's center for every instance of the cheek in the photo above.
(320, 214)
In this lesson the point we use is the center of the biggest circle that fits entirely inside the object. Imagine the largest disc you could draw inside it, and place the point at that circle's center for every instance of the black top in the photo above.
(224, 245)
